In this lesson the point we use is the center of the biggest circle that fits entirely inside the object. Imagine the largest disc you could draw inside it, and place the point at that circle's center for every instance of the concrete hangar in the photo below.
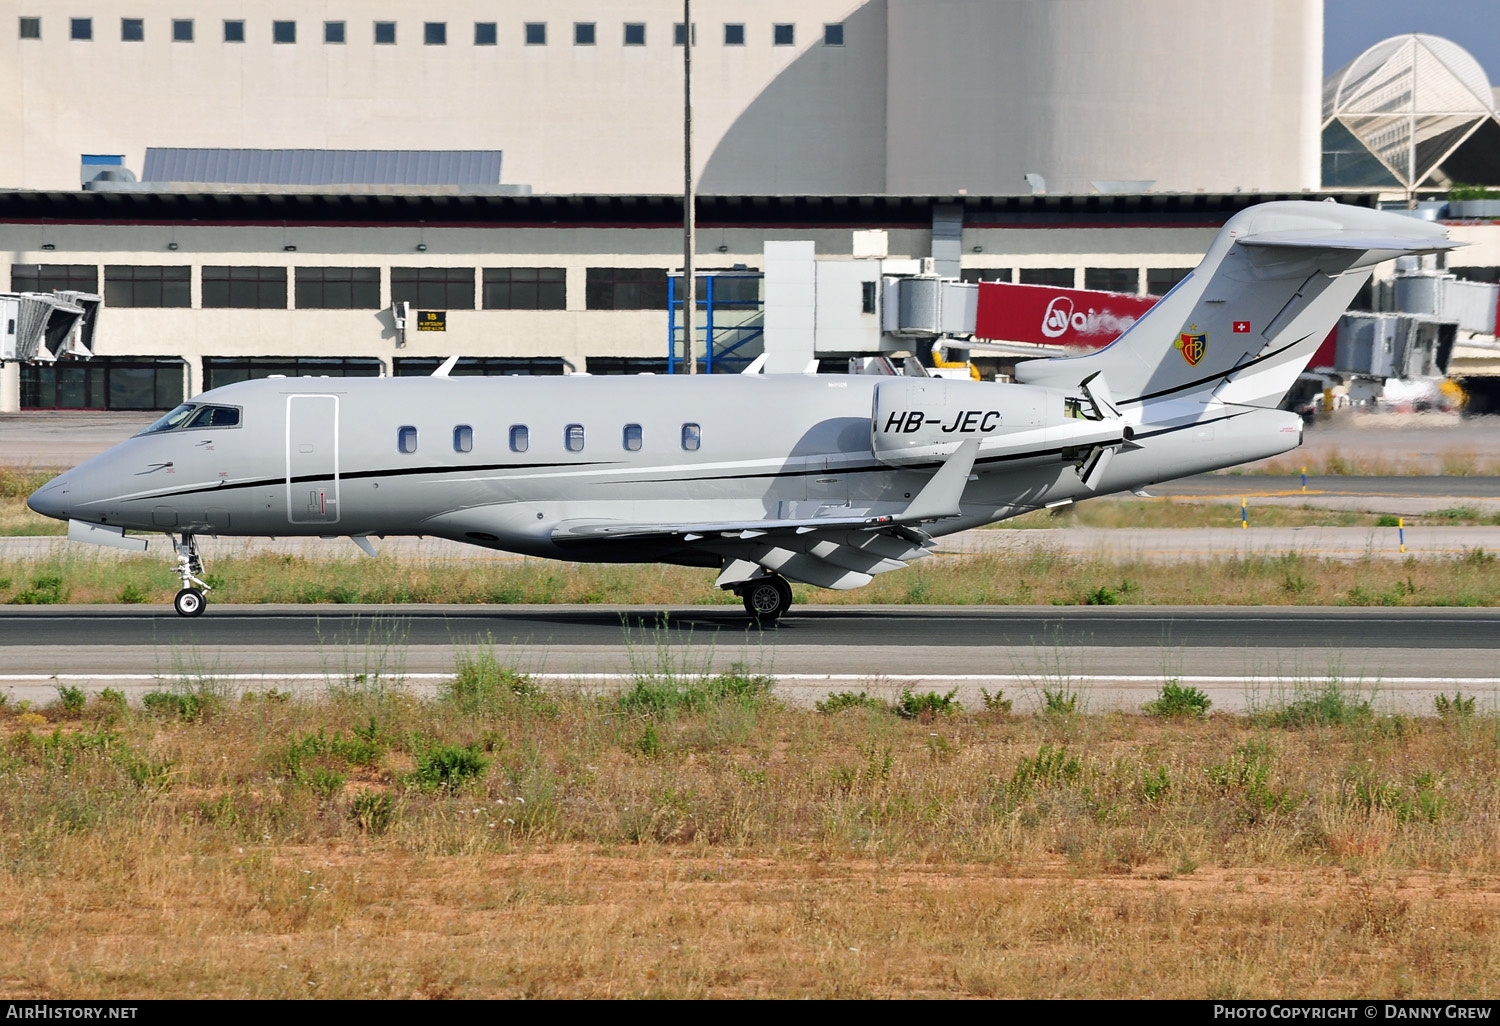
(261, 189)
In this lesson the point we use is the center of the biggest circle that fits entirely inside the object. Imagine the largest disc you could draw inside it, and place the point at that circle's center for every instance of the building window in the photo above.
(485, 33)
(1112, 279)
(103, 383)
(226, 370)
(583, 33)
(132, 30)
(626, 365)
(978, 274)
(1489, 275)
(385, 33)
(784, 35)
(632, 440)
(481, 366)
(54, 278)
(867, 291)
(677, 34)
(626, 288)
(520, 438)
(734, 35)
(283, 31)
(833, 35)
(536, 33)
(1161, 280)
(406, 439)
(139, 286)
(31, 28)
(81, 28)
(433, 288)
(463, 438)
(244, 288)
(234, 31)
(525, 288)
(692, 437)
(635, 34)
(1055, 277)
(333, 32)
(338, 288)
(182, 30)
(573, 437)
(435, 33)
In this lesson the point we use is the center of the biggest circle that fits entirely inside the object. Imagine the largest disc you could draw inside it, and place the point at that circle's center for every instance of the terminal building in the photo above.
(369, 188)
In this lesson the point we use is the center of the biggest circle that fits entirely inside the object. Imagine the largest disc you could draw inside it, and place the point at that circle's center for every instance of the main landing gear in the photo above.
(190, 600)
(766, 598)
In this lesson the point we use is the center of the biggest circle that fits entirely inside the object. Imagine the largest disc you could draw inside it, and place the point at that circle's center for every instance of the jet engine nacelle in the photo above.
(918, 420)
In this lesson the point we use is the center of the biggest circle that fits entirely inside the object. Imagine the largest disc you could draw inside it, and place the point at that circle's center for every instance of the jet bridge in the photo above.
(41, 327)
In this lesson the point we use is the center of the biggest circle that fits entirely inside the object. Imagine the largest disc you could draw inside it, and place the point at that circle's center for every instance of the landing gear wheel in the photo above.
(189, 602)
(766, 599)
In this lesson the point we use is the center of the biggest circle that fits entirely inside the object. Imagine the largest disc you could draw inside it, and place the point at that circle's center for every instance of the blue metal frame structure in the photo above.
(724, 344)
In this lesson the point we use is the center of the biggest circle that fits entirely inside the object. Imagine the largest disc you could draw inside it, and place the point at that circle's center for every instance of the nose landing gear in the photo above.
(190, 600)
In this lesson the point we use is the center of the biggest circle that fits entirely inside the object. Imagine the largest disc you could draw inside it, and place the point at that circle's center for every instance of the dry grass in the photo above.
(15, 517)
(739, 848)
(1180, 514)
(1331, 461)
(1041, 576)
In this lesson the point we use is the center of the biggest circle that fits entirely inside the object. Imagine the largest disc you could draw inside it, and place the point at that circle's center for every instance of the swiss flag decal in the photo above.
(1241, 327)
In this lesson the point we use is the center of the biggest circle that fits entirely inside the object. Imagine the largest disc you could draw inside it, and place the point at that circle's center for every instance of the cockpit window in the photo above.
(215, 417)
(173, 419)
(193, 415)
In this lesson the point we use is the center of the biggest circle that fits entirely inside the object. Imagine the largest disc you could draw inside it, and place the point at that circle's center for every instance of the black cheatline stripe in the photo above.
(359, 474)
(1214, 377)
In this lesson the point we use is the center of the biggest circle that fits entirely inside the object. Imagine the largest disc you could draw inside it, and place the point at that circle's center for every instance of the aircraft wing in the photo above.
(830, 552)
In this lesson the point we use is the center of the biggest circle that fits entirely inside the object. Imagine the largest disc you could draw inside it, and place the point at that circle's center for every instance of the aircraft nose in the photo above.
(50, 500)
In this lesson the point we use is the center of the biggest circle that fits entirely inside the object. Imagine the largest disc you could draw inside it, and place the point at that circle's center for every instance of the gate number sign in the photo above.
(432, 320)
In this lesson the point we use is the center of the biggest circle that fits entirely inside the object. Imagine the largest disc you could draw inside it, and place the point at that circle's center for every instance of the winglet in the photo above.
(940, 497)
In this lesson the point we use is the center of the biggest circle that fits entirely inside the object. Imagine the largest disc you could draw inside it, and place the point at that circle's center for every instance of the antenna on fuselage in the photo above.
(446, 367)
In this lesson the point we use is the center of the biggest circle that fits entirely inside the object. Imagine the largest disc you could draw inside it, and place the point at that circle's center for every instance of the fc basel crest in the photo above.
(1193, 343)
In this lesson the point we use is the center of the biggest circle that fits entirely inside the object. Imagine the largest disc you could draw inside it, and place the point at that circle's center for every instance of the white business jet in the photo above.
(823, 479)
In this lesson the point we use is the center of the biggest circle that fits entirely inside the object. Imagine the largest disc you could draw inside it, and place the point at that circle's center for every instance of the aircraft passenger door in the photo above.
(312, 459)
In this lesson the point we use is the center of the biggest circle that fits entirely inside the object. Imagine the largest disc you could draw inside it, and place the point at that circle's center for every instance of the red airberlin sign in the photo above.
(1059, 317)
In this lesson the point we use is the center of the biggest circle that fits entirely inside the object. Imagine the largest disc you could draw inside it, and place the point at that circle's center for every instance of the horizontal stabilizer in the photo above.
(1314, 238)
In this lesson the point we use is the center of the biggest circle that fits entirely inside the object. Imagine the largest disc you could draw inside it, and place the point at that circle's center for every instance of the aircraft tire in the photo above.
(766, 599)
(189, 602)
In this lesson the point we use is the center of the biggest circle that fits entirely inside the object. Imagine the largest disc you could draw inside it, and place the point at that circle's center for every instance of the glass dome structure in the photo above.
(1412, 111)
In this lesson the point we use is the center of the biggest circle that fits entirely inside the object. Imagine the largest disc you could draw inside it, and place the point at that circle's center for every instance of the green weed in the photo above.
(1176, 700)
(997, 702)
(838, 701)
(653, 695)
(448, 767)
(1457, 707)
(1059, 702)
(911, 705)
(373, 811)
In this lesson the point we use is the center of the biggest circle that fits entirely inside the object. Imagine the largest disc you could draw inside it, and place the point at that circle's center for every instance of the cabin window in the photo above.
(632, 438)
(573, 437)
(406, 439)
(520, 438)
(463, 438)
(692, 437)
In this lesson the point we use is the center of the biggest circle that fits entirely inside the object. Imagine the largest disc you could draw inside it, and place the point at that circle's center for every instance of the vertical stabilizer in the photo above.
(1243, 325)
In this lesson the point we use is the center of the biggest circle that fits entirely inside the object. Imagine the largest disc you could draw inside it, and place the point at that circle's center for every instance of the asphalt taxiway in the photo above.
(1115, 656)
